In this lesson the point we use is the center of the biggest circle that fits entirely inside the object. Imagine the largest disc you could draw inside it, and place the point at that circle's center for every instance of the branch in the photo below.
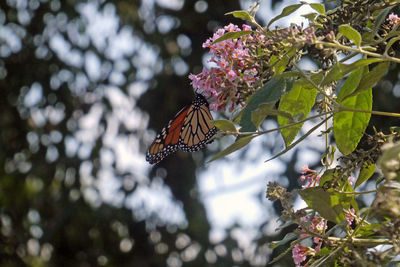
(359, 50)
(381, 113)
(257, 133)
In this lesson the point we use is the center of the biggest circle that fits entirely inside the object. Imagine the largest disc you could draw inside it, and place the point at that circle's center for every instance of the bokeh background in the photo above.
(84, 87)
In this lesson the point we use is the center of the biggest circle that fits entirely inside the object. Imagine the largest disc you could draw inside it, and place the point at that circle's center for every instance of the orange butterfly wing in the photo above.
(190, 130)
(167, 142)
(198, 126)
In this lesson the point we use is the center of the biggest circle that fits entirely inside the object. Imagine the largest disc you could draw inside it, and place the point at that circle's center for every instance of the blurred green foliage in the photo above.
(51, 210)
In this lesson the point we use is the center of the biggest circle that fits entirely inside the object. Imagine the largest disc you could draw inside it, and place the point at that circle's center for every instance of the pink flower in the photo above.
(231, 28)
(393, 17)
(310, 34)
(196, 82)
(234, 69)
(231, 74)
(311, 176)
(238, 53)
(330, 35)
(318, 225)
(305, 169)
(300, 254)
(223, 63)
(350, 216)
(246, 27)
(351, 180)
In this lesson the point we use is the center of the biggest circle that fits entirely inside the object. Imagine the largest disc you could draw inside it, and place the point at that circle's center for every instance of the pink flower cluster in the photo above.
(317, 225)
(350, 216)
(300, 254)
(311, 176)
(233, 68)
(393, 17)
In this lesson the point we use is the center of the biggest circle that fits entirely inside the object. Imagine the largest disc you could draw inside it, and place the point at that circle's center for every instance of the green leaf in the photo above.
(241, 142)
(350, 84)
(298, 102)
(238, 117)
(395, 129)
(390, 43)
(264, 110)
(310, 16)
(232, 35)
(349, 126)
(320, 8)
(288, 237)
(323, 258)
(339, 70)
(365, 173)
(350, 34)
(280, 62)
(225, 125)
(324, 251)
(329, 175)
(288, 148)
(328, 204)
(368, 229)
(269, 94)
(240, 14)
(258, 115)
(371, 78)
(333, 176)
(290, 74)
(285, 12)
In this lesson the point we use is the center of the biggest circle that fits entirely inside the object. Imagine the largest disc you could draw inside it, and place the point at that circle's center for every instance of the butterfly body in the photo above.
(190, 130)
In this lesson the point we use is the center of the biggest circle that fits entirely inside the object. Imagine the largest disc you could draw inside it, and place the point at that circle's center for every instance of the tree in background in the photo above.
(70, 76)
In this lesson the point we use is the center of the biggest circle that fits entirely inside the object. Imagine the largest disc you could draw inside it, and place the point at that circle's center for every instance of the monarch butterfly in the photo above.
(190, 130)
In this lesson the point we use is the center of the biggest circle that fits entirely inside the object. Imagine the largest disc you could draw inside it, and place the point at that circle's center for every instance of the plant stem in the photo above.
(361, 241)
(357, 193)
(339, 109)
(276, 129)
(292, 245)
(313, 83)
(381, 113)
(359, 50)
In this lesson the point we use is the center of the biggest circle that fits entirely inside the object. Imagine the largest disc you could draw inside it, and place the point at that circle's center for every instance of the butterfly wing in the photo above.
(190, 130)
(198, 126)
(167, 142)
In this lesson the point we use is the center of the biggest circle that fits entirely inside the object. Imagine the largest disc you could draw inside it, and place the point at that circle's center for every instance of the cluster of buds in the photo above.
(317, 225)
